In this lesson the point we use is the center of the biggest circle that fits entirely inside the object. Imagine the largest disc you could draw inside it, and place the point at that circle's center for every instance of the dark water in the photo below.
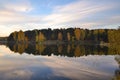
(58, 62)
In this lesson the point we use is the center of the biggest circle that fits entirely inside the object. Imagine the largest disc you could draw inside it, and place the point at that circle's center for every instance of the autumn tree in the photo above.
(20, 36)
(114, 36)
(15, 35)
(77, 33)
(82, 34)
(41, 37)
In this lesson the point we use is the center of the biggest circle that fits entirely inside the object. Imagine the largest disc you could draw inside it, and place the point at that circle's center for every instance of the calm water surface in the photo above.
(21, 62)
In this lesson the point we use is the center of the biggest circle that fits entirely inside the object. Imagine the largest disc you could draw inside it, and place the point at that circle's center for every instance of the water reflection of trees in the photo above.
(20, 48)
(60, 48)
(39, 48)
(70, 50)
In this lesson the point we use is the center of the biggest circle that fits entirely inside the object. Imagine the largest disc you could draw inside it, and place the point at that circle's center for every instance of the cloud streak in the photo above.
(80, 13)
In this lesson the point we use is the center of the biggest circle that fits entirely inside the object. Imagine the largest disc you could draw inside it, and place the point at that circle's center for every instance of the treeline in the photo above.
(70, 35)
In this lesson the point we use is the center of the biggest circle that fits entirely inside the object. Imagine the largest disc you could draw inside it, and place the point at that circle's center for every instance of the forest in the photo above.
(70, 35)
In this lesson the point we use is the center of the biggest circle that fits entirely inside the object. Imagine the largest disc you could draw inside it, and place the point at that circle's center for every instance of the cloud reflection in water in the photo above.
(29, 67)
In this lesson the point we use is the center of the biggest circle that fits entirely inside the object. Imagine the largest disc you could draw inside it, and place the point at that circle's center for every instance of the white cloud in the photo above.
(16, 5)
(82, 13)
(13, 12)
(21, 7)
(75, 13)
(82, 66)
(19, 74)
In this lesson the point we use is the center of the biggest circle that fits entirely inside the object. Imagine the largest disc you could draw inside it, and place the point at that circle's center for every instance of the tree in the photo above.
(95, 34)
(82, 35)
(41, 37)
(36, 36)
(60, 36)
(26, 39)
(101, 34)
(15, 35)
(68, 36)
(77, 33)
(114, 37)
(21, 36)
(111, 37)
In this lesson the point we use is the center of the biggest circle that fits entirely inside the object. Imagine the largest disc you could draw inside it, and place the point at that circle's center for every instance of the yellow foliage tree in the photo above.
(21, 36)
(77, 33)
(82, 34)
(41, 37)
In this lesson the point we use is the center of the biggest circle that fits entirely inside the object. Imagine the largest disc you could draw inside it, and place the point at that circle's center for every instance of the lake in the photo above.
(58, 62)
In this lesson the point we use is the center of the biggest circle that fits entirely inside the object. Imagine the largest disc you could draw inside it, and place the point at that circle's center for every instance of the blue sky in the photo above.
(41, 14)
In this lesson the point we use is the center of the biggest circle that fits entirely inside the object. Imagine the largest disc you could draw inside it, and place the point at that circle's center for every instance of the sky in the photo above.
(24, 15)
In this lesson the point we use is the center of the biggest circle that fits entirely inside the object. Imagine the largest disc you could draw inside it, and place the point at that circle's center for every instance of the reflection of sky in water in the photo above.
(16, 66)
